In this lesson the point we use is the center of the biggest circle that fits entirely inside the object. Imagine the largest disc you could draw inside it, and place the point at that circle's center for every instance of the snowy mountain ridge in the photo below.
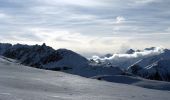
(125, 60)
(150, 63)
(45, 57)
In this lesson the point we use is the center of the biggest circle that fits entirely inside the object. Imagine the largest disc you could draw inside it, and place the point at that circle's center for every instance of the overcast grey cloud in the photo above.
(85, 25)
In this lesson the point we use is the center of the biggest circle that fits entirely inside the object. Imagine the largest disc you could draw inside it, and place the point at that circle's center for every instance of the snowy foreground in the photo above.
(19, 82)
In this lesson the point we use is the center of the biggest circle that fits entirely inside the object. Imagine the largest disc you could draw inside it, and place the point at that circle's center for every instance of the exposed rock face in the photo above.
(4, 47)
(39, 56)
(130, 51)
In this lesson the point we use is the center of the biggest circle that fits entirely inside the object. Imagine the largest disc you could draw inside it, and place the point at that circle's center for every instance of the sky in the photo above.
(86, 26)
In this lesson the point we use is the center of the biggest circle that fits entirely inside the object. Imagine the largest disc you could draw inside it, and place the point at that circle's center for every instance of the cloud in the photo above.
(119, 23)
(81, 43)
(120, 19)
(86, 25)
(20, 37)
(84, 3)
(145, 1)
(2, 15)
(125, 60)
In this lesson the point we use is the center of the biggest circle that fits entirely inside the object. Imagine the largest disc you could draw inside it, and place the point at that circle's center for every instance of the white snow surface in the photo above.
(70, 59)
(18, 82)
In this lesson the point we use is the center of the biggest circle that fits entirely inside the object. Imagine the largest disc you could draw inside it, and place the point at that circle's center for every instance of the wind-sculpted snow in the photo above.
(18, 82)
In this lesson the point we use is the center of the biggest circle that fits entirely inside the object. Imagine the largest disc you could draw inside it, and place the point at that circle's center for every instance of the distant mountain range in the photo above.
(151, 63)
(156, 67)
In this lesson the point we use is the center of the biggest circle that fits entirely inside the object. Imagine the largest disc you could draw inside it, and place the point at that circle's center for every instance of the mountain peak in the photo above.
(130, 51)
(43, 44)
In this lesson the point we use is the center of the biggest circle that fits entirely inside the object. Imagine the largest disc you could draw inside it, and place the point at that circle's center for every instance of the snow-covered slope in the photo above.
(150, 63)
(136, 81)
(18, 82)
(156, 67)
(69, 59)
(159, 70)
(45, 57)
